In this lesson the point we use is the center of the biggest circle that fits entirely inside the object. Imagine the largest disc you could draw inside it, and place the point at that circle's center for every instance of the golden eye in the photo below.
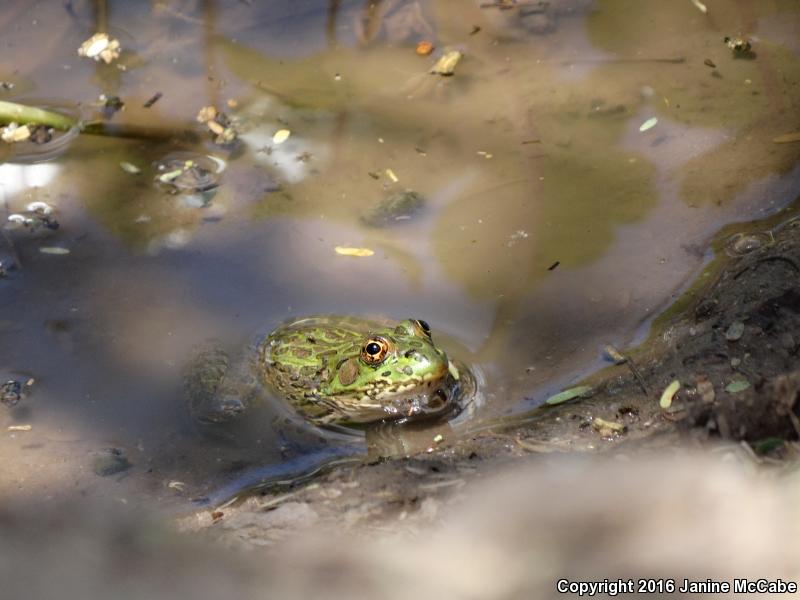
(423, 326)
(374, 351)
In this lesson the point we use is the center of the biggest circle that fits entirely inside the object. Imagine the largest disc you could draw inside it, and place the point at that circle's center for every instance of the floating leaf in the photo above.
(668, 394)
(700, 6)
(281, 136)
(649, 124)
(129, 168)
(576, 392)
(53, 250)
(345, 251)
(20, 427)
(739, 385)
(390, 174)
(787, 138)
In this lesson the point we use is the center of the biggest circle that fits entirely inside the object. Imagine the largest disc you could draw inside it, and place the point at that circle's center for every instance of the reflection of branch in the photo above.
(6, 237)
(100, 13)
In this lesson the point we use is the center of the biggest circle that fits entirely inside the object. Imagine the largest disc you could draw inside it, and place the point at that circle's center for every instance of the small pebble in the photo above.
(735, 331)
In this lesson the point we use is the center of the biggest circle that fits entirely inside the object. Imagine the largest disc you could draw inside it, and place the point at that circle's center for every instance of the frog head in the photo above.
(397, 372)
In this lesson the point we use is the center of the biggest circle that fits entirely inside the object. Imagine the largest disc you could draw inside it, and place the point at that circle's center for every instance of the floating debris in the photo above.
(58, 250)
(176, 485)
(787, 138)
(735, 331)
(281, 136)
(129, 168)
(14, 133)
(20, 427)
(740, 244)
(153, 99)
(347, 251)
(100, 47)
(607, 429)
(581, 391)
(110, 462)
(35, 216)
(219, 124)
(438, 438)
(186, 172)
(111, 103)
(739, 45)
(554, 266)
(668, 394)
(649, 124)
(397, 207)
(737, 385)
(446, 64)
(710, 63)
(11, 392)
(390, 174)
(424, 48)
(700, 6)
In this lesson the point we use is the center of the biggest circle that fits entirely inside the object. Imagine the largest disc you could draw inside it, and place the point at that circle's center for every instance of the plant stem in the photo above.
(11, 112)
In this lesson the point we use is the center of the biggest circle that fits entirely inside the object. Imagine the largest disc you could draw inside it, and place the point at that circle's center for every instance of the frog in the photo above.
(332, 371)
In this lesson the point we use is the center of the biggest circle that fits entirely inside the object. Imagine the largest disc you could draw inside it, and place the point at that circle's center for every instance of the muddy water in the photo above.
(553, 223)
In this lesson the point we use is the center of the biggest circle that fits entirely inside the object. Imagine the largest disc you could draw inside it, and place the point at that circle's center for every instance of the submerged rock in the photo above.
(397, 207)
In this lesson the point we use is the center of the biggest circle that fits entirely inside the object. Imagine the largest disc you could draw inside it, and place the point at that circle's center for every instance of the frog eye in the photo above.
(374, 351)
(423, 325)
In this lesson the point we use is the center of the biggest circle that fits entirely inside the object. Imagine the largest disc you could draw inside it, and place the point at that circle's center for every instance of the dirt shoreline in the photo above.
(740, 322)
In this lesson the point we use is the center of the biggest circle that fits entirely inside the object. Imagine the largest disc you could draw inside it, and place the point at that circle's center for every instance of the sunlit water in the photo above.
(553, 223)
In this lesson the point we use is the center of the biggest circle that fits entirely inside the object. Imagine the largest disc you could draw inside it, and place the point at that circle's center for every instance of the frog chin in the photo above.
(436, 398)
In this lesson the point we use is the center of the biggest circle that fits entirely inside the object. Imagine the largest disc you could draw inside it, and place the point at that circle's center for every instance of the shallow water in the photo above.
(553, 225)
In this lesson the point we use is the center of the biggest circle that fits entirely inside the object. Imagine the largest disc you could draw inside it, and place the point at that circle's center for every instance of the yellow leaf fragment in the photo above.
(700, 6)
(20, 427)
(346, 251)
(390, 174)
(281, 136)
(668, 394)
(649, 124)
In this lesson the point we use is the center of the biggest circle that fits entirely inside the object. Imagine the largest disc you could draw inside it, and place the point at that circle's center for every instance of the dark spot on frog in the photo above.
(408, 371)
(348, 371)
(301, 352)
(386, 374)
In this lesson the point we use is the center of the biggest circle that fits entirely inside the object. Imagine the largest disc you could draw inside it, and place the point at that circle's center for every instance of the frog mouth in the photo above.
(440, 397)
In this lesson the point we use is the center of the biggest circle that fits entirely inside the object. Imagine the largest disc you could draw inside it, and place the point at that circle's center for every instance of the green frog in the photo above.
(332, 371)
